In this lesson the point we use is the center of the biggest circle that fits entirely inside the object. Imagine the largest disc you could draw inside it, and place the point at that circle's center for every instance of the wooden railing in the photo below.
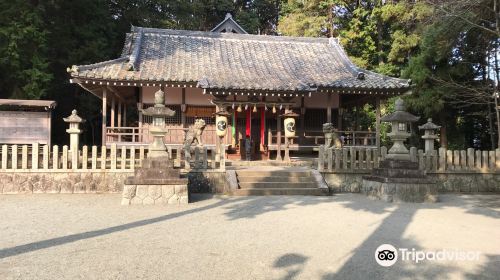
(316, 138)
(140, 135)
(360, 158)
(126, 158)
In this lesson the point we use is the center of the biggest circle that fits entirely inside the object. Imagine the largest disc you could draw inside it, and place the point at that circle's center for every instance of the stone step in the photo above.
(285, 179)
(398, 173)
(281, 191)
(277, 185)
(277, 173)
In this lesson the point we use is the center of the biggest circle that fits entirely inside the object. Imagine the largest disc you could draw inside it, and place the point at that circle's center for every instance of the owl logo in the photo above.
(290, 127)
(221, 125)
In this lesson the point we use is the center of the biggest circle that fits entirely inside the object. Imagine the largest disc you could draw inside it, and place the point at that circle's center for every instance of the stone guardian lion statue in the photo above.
(332, 140)
(193, 135)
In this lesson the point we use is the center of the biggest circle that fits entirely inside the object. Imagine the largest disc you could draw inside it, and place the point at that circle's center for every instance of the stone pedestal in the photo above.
(399, 181)
(156, 182)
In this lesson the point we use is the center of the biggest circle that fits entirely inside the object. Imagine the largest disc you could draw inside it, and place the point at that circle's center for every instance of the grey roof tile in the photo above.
(236, 61)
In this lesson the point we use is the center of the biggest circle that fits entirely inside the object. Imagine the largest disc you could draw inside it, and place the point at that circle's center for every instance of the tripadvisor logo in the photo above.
(387, 255)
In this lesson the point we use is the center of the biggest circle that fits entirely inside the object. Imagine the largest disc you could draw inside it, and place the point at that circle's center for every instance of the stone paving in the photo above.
(91, 236)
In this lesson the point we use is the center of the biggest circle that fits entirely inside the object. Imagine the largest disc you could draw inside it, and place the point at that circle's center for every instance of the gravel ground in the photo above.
(93, 237)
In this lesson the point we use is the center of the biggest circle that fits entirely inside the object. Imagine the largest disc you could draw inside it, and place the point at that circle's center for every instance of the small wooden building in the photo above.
(25, 121)
(254, 77)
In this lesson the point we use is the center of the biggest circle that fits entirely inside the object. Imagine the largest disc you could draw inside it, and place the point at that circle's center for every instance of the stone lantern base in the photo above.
(156, 182)
(399, 181)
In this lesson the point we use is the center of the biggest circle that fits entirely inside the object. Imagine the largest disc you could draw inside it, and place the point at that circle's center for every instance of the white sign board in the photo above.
(17, 127)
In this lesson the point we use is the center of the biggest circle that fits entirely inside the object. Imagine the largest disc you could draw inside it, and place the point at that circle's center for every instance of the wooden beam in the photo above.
(183, 107)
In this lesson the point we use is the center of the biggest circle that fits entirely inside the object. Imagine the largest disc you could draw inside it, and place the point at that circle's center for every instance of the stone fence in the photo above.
(359, 158)
(465, 171)
(34, 157)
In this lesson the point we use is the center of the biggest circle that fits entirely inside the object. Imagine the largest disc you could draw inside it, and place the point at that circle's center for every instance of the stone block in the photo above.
(8, 184)
(128, 191)
(65, 186)
(142, 191)
(184, 199)
(125, 201)
(174, 199)
(167, 191)
(148, 201)
(180, 189)
(154, 191)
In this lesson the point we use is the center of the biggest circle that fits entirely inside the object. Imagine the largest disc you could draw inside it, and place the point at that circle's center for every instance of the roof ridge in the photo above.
(250, 37)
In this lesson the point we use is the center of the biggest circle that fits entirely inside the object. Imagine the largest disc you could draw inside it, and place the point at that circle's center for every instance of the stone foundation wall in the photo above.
(96, 182)
(446, 182)
(62, 182)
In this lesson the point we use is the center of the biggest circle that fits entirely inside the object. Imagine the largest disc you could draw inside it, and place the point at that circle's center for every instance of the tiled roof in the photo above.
(237, 62)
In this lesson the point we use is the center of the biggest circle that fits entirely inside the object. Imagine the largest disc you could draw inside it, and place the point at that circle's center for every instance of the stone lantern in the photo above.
(157, 129)
(429, 135)
(400, 121)
(74, 130)
(221, 130)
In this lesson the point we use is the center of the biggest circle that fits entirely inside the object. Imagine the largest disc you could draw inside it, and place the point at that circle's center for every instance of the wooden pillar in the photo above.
(248, 128)
(140, 117)
(124, 121)
(183, 108)
(119, 119)
(302, 119)
(377, 122)
(112, 111)
(262, 128)
(329, 108)
(104, 115)
(339, 115)
(278, 138)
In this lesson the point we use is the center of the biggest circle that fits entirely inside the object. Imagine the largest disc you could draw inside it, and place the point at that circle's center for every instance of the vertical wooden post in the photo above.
(456, 160)
(302, 112)
(183, 106)
(113, 110)
(94, 157)
(55, 157)
(103, 157)
(485, 159)
(113, 156)
(278, 139)
(5, 153)
(463, 160)
(352, 154)
(337, 158)
(377, 121)
(449, 160)
(470, 158)
(45, 157)
(64, 157)
(123, 157)
(329, 108)
(85, 151)
(124, 121)
(104, 115)
(140, 117)
(369, 159)
(478, 159)
(321, 157)
(34, 156)
(119, 119)
(24, 157)
(344, 159)
(491, 166)
(132, 157)
(262, 128)
(442, 159)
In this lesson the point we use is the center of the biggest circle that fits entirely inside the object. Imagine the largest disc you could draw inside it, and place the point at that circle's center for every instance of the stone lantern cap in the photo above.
(158, 112)
(400, 115)
(74, 118)
(429, 125)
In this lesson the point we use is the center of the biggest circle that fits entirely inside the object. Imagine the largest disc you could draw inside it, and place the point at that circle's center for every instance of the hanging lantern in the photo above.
(254, 109)
(265, 107)
(274, 109)
(239, 110)
(281, 106)
(289, 122)
(246, 107)
(221, 122)
(232, 107)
